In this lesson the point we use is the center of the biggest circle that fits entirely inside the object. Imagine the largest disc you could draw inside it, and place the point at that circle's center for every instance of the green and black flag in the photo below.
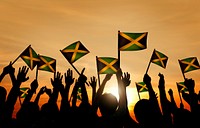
(141, 87)
(132, 41)
(30, 57)
(107, 65)
(181, 87)
(189, 64)
(158, 58)
(47, 64)
(24, 92)
(74, 51)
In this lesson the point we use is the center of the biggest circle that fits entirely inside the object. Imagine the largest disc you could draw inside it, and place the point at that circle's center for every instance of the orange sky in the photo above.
(49, 26)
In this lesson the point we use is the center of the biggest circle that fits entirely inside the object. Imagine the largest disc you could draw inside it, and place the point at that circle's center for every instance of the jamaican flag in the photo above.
(30, 57)
(159, 58)
(141, 87)
(74, 51)
(181, 87)
(132, 41)
(47, 64)
(23, 92)
(79, 95)
(107, 65)
(189, 64)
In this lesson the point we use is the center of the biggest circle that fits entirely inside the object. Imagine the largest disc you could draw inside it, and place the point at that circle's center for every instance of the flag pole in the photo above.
(98, 71)
(182, 70)
(118, 50)
(149, 63)
(36, 73)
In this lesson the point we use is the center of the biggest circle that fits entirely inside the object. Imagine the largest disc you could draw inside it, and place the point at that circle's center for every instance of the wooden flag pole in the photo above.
(118, 50)
(148, 66)
(98, 71)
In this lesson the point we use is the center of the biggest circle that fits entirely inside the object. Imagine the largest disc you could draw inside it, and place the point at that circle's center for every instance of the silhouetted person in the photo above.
(147, 111)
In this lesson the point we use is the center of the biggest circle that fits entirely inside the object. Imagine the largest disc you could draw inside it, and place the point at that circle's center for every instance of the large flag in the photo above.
(181, 87)
(47, 64)
(107, 65)
(132, 41)
(159, 58)
(189, 64)
(30, 57)
(74, 51)
(141, 87)
(24, 92)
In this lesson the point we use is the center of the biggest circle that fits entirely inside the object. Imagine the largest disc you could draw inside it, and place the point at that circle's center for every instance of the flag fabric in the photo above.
(189, 64)
(107, 65)
(141, 86)
(159, 59)
(181, 87)
(79, 94)
(24, 92)
(47, 64)
(74, 51)
(132, 41)
(30, 57)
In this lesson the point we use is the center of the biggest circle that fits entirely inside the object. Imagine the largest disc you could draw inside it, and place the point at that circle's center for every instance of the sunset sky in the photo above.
(50, 25)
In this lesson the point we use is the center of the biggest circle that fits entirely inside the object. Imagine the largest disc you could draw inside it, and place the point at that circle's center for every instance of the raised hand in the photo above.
(161, 81)
(69, 79)
(21, 76)
(93, 82)
(6, 70)
(147, 78)
(126, 79)
(57, 80)
(34, 85)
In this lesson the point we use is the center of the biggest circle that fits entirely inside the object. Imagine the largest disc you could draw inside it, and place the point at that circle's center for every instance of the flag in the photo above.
(47, 64)
(189, 64)
(74, 51)
(107, 65)
(132, 41)
(141, 86)
(159, 58)
(79, 94)
(181, 87)
(23, 92)
(30, 57)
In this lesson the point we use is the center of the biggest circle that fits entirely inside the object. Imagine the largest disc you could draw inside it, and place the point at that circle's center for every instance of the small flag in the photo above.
(159, 58)
(189, 64)
(74, 51)
(30, 57)
(132, 41)
(23, 92)
(141, 86)
(47, 64)
(79, 94)
(181, 87)
(107, 65)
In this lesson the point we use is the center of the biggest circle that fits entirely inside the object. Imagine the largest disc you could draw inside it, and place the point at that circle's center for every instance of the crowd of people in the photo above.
(114, 113)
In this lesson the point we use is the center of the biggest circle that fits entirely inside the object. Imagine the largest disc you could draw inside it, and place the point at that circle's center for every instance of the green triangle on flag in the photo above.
(189, 64)
(159, 59)
(141, 86)
(107, 65)
(30, 57)
(132, 41)
(47, 64)
(74, 51)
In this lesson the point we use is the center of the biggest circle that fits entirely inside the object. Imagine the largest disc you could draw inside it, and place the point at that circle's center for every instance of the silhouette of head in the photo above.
(144, 112)
(108, 104)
